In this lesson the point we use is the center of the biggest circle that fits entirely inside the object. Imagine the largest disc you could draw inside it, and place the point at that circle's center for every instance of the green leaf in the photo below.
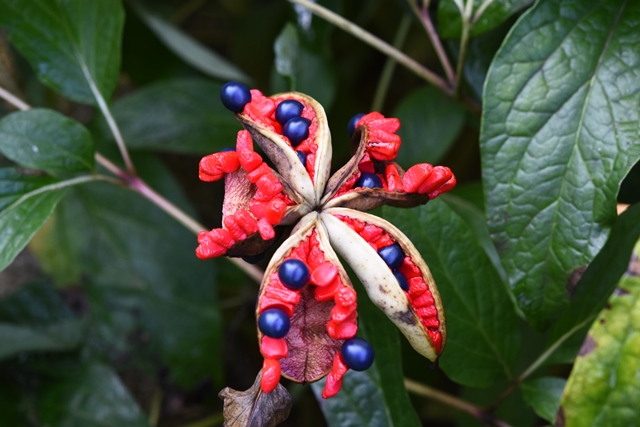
(559, 133)
(16, 339)
(377, 396)
(26, 202)
(301, 69)
(482, 328)
(190, 50)
(498, 11)
(88, 396)
(145, 281)
(543, 394)
(286, 50)
(603, 388)
(179, 115)
(46, 140)
(427, 108)
(73, 45)
(602, 276)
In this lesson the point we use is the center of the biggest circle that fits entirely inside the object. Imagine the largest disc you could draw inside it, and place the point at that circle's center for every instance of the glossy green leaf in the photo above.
(601, 277)
(431, 123)
(17, 339)
(89, 396)
(603, 388)
(190, 50)
(482, 328)
(543, 394)
(485, 17)
(46, 140)
(149, 293)
(559, 132)
(301, 69)
(73, 45)
(377, 396)
(26, 202)
(179, 115)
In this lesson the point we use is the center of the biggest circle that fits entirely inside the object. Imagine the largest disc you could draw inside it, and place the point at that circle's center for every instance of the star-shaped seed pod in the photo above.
(306, 309)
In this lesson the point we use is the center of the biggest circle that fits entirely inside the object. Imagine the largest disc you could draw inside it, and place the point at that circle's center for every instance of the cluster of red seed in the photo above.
(268, 205)
(418, 294)
(262, 109)
(329, 286)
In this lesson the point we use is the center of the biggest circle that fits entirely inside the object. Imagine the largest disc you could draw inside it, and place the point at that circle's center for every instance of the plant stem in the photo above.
(464, 42)
(377, 43)
(13, 100)
(454, 402)
(211, 421)
(427, 23)
(390, 65)
(539, 361)
(156, 406)
(141, 187)
(483, 7)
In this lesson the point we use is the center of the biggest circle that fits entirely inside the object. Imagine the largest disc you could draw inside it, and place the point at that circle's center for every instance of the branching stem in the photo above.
(377, 43)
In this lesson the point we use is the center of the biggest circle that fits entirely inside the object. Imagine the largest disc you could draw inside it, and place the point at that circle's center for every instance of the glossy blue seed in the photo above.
(402, 280)
(235, 96)
(357, 354)
(225, 149)
(392, 255)
(351, 126)
(368, 180)
(287, 110)
(296, 129)
(293, 273)
(303, 157)
(274, 323)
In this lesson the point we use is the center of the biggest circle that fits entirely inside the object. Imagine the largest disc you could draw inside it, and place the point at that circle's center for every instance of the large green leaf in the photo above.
(603, 388)
(190, 50)
(26, 202)
(377, 396)
(180, 115)
(17, 339)
(482, 328)
(431, 122)
(498, 11)
(88, 396)
(149, 292)
(73, 45)
(559, 132)
(46, 140)
(600, 278)
(543, 394)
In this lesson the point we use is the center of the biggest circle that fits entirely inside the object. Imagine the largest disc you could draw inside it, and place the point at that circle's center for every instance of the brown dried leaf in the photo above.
(253, 408)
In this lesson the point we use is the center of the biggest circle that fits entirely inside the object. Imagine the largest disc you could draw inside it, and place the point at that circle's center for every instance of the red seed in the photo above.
(274, 348)
(415, 176)
(438, 177)
(417, 287)
(425, 312)
(270, 375)
(234, 228)
(342, 330)
(266, 230)
(246, 221)
(326, 293)
(324, 274)
(436, 338)
(394, 182)
(426, 299)
(431, 322)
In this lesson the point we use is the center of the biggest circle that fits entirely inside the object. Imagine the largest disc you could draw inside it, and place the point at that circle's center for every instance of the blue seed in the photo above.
(351, 126)
(287, 110)
(225, 149)
(303, 157)
(392, 255)
(297, 130)
(368, 180)
(402, 280)
(235, 96)
(274, 323)
(357, 354)
(293, 273)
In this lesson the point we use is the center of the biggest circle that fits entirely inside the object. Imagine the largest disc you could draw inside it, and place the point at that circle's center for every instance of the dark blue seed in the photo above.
(225, 149)
(392, 255)
(351, 126)
(235, 96)
(254, 259)
(402, 280)
(293, 273)
(303, 157)
(274, 323)
(357, 354)
(296, 129)
(369, 180)
(287, 110)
